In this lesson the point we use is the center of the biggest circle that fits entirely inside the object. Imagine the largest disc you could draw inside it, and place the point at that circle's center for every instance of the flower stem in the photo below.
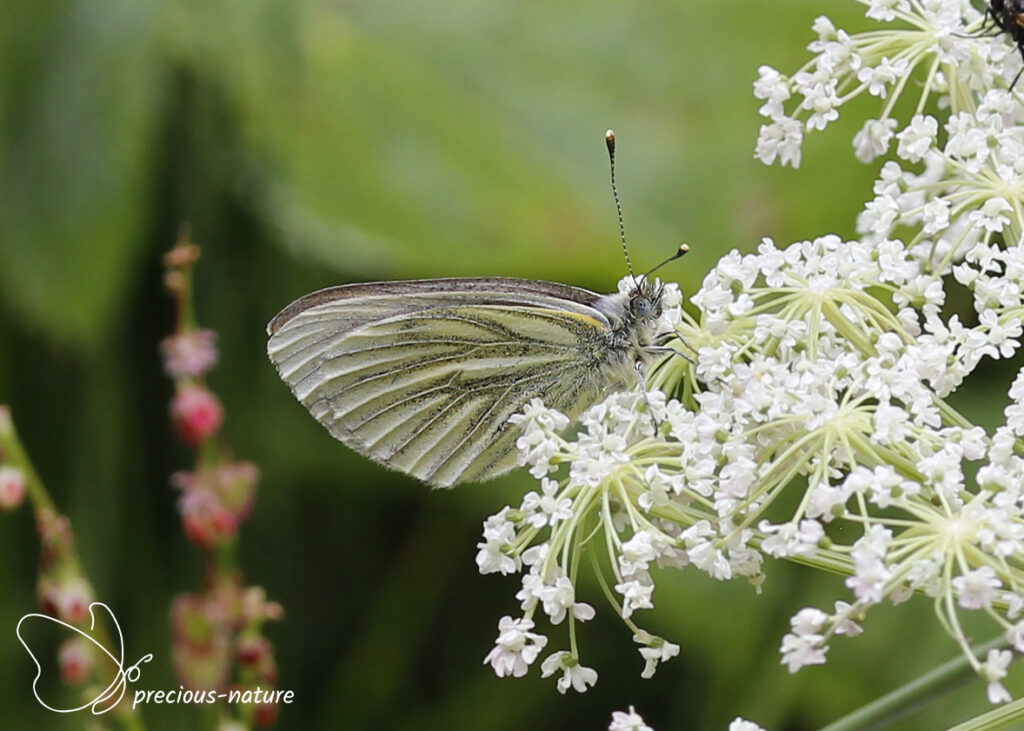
(1002, 717)
(917, 694)
(13, 453)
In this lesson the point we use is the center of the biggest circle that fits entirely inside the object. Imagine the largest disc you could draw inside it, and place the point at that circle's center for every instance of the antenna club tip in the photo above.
(683, 248)
(609, 140)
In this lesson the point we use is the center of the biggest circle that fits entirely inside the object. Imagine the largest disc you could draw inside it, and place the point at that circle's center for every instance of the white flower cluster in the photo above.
(968, 189)
(633, 721)
(935, 49)
(628, 721)
(823, 367)
(820, 370)
(839, 397)
(601, 495)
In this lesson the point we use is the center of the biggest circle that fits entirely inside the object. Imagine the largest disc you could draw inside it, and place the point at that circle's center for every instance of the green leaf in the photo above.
(77, 105)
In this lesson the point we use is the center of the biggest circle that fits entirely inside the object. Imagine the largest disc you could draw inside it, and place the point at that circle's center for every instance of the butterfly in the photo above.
(423, 375)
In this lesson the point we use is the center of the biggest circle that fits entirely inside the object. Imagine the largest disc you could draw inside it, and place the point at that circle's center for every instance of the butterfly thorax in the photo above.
(633, 317)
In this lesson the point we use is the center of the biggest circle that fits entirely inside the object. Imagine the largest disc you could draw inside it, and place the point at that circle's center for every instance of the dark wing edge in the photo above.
(503, 285)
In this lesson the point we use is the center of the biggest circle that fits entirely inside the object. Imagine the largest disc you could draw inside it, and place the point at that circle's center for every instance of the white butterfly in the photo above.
(422, 376)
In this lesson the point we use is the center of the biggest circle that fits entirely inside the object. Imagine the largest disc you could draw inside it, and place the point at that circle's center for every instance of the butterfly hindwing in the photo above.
(424, 378)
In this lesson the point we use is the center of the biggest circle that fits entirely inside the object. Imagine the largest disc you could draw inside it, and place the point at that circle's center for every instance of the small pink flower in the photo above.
(236, 486)
(55, 537)
(75, 660)
(231, 486)
(196, 414)
(264, 715)
(256, 608)
(206, 520)
(12, 488)
(67, 599)
(189, 354)
(201, 644)
(252, 649)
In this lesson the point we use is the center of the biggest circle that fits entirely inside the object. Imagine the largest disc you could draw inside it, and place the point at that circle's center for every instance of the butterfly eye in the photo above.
(641, 306)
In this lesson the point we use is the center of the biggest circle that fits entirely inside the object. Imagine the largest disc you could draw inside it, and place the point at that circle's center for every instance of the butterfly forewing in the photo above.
(423, 376)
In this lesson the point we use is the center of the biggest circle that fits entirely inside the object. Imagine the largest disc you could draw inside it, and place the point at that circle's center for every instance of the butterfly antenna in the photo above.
(683, 249)
(609, 141)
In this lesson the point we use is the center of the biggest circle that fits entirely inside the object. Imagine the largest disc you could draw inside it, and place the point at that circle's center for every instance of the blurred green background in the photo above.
(316, 143)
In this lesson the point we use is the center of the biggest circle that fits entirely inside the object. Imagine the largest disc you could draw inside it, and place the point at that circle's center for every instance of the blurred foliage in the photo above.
(310, 143)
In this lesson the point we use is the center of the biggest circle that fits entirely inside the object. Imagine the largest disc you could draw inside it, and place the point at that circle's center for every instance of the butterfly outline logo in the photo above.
(115, 690)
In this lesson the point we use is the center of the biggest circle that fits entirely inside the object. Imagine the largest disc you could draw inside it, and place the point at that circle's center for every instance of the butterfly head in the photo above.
(645, 300)
(645, 296)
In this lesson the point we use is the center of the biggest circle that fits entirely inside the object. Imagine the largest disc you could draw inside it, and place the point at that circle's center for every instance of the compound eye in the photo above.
(641, 306)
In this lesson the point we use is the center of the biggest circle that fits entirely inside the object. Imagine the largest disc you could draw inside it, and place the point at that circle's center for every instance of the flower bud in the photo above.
(196, 414)
(174, 282)
(189, 354)
(75, 660)
(12, 488)
(264, 715)
(256, 608)
(182, 255)
(206, 520)
(55, 537)
(236, 486)
(67, 599)
(251, 649)
(231, 724)
(200, 642)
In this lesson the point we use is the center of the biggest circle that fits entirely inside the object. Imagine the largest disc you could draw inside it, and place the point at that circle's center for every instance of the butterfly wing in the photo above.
(422, 376)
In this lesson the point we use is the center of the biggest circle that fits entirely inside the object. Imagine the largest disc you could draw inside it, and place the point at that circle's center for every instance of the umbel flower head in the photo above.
(931, 48)
(819, 370)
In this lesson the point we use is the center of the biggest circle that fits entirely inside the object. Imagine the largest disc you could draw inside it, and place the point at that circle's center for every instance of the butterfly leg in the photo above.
(996, 28)
(672, 351)
(665, 350)
(640, 368)
(1020, 47)
(1017, 77)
